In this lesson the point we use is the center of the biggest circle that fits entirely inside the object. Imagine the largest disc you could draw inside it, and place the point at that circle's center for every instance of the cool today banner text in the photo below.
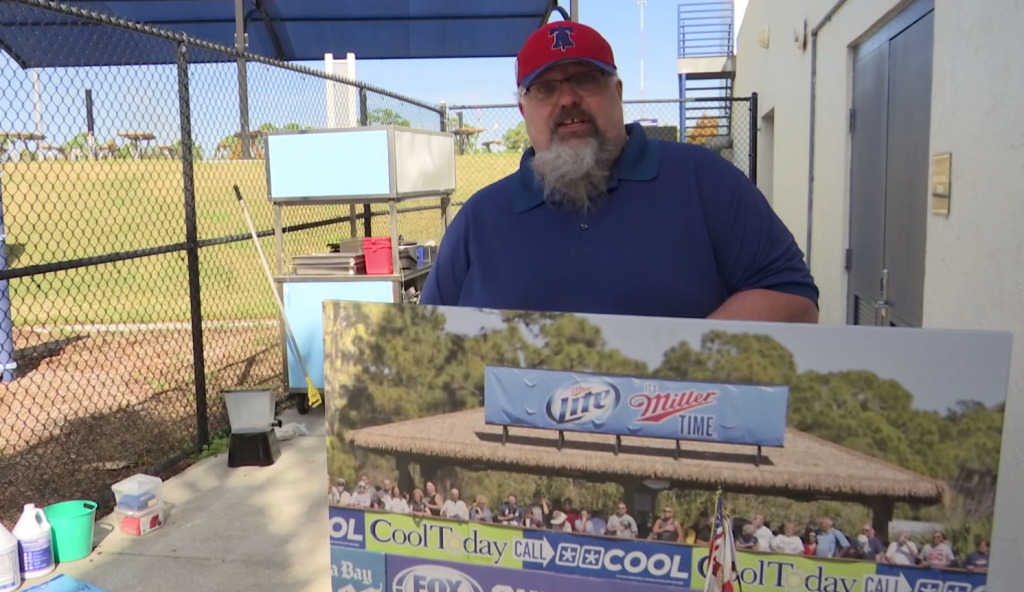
(797, 573)
(476, 543)
(650, 562)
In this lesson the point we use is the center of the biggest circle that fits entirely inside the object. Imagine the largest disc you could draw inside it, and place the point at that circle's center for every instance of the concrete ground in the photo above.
(245, 529)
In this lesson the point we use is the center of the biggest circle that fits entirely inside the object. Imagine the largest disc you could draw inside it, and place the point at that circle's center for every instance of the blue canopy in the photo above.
(281, 29)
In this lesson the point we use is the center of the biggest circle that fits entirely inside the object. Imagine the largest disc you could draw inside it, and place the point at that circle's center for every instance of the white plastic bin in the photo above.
(250, 411)
(138, 493)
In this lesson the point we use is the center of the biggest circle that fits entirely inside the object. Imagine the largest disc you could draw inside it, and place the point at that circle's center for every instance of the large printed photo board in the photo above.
(476, 450)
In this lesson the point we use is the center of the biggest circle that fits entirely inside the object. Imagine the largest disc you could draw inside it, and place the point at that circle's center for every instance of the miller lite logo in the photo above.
(591, 400)
(656, 407)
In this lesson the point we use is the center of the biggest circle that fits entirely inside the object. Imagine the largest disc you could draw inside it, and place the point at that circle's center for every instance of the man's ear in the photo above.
(618, 88)
(521, 109)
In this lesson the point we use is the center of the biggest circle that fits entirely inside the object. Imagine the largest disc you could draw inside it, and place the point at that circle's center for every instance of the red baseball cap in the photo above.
(562, 41)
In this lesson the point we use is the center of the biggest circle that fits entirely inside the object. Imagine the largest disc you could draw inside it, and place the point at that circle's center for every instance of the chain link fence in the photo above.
(131, 294)
(491, 138)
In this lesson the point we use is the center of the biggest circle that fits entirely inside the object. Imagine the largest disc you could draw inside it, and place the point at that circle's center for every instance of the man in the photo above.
(571, 514)
(539, 512)
(601, 219)
(902, 551)
(702, 530)
(382, 496)
(454, 507)
(937, 553)
(978, 560)
(621, 524)
(434, 500)
(830, 540)
(870, 545)
(511, 513)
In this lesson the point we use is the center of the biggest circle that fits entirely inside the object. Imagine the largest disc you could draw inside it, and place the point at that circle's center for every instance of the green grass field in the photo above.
(61, 210)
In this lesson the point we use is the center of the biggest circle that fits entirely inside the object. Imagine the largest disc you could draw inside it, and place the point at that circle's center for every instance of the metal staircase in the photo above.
(706, 69)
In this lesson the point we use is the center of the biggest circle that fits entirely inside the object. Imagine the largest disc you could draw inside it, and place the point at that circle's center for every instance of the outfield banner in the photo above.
(627, 406)
(347, 528)
(626, 560)
(427, 538)
(893, 578)
(411, 574)
(761, 572)
(353, 570)
(476, 543)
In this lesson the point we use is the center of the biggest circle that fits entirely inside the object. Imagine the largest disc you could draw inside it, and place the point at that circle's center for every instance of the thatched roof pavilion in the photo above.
(807, 468)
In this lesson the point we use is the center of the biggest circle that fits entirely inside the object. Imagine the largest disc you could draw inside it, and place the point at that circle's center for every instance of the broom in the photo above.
(313, 394)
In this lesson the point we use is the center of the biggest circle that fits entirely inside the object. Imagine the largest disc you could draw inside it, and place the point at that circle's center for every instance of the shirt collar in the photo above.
(639, 161)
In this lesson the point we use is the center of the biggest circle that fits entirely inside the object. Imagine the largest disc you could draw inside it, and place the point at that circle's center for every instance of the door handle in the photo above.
(882, 304)
(881, 313)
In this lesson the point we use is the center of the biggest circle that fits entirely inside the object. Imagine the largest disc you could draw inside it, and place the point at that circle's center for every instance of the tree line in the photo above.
(402, 364)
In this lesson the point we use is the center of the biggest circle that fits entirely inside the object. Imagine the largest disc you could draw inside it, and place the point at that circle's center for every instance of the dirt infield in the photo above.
(90, 407)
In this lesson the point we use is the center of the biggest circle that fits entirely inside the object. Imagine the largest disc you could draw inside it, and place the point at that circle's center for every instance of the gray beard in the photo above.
(575, 174)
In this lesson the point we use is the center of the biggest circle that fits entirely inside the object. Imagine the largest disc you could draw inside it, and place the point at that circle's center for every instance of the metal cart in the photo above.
(355, 167)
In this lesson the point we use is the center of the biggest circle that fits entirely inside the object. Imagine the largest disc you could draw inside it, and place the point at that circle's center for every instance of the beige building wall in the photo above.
(974, 272)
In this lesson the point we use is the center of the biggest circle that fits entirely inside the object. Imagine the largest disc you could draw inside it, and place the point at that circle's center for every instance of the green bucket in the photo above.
(73, 524)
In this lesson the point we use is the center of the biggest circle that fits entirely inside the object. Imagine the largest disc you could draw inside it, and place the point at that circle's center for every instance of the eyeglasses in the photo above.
(584, 83)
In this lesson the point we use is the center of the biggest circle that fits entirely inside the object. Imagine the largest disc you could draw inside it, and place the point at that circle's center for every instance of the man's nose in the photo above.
(567, 95)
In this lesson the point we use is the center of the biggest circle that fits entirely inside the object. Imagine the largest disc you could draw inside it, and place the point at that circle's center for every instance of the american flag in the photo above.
(722, 554)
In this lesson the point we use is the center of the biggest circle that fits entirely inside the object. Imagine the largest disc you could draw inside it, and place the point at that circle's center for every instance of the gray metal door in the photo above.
(867, 183)
(890, 122)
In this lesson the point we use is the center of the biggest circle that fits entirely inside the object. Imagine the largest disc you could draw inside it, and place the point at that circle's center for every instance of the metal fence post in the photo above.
(192, 248)
(7, 361)
(461, 140)
(682, 107)
(364, 120)
(445, 201)
(753, 137)
(243, 83)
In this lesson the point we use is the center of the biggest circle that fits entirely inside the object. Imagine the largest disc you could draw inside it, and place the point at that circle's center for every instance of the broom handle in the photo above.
(270, 278)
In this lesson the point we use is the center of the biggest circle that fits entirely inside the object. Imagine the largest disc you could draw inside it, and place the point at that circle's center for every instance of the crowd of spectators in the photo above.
(822, 540)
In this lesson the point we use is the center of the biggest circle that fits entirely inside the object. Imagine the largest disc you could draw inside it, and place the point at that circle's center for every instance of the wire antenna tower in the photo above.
(643, 54)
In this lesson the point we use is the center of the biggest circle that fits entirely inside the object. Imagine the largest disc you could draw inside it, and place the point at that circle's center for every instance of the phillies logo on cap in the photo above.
(563, 37)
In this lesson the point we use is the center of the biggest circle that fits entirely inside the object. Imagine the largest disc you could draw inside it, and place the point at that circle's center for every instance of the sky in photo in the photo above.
(939, 367)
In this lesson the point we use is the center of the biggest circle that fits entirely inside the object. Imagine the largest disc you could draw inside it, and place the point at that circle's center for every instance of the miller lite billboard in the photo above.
(630, 406)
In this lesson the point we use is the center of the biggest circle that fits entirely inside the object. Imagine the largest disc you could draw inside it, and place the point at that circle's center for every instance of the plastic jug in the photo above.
(10, 566)
(36, 541)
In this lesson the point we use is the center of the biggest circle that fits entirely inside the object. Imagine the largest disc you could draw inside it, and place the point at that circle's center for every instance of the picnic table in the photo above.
(23, 137)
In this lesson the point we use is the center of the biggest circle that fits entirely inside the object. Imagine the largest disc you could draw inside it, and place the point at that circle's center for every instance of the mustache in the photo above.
(569, 114)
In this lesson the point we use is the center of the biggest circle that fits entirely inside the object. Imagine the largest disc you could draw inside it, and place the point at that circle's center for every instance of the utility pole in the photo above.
(38, 100)
(643, 54)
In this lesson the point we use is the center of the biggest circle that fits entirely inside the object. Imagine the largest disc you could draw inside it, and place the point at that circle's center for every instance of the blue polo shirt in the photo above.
(681, 231)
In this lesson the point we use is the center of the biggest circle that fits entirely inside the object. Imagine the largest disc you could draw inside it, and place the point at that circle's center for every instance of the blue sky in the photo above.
(491, 80)
(145, 99)
(982, 375)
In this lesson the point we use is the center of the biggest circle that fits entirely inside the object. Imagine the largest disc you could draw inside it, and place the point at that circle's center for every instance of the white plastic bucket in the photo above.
(10, 563)
(250, 411)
